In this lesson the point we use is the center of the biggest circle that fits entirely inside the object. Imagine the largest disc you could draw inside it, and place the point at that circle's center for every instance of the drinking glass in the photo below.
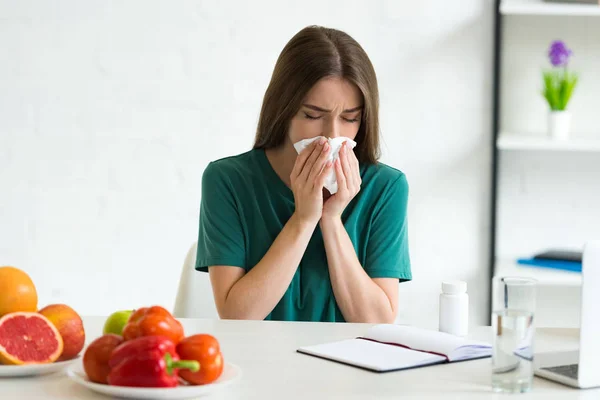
(513, 327)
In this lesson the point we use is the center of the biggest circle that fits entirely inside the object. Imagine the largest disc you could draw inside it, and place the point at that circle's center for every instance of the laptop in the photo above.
(580, 368)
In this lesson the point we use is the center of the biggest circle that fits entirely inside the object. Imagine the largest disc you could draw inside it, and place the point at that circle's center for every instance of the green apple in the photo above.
(116, 322)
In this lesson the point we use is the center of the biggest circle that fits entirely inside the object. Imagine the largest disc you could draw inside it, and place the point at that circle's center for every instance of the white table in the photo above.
(266, 353)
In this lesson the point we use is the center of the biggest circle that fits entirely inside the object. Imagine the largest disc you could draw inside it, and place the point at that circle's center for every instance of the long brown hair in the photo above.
(314, 53)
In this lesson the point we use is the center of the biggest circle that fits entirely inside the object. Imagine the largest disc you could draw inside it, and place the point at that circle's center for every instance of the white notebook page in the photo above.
(454, 347)
(372, 355)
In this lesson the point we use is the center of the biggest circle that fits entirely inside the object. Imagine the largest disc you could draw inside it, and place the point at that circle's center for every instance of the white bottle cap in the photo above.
(454, 287)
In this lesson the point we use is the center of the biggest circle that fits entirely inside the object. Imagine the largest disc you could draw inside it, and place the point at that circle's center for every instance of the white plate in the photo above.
(231, 373)
(14, 371)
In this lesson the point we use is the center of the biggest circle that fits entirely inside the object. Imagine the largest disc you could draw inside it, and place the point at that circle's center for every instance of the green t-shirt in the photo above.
(245, 205)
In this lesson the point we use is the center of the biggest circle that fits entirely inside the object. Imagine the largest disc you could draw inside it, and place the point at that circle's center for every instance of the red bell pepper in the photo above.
(148, 361)
(205, 349)
(153, 321)
(150, 346)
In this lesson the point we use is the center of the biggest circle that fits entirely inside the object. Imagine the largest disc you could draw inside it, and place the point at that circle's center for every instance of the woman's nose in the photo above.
(331, 130)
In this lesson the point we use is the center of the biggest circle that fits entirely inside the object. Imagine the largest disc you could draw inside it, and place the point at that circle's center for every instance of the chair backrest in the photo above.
(194, 295)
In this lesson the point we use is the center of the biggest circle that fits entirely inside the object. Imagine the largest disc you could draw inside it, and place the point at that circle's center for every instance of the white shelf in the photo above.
(544, 276)
(514, 141)
(540, 7)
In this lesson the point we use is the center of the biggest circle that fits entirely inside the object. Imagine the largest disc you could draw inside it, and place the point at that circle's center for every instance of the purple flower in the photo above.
(559, 53)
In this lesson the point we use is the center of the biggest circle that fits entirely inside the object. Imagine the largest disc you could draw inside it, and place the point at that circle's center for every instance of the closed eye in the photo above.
(351, 120)
(308, 116)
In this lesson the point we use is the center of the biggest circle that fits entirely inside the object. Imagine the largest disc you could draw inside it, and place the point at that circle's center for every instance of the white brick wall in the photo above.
(110, 110)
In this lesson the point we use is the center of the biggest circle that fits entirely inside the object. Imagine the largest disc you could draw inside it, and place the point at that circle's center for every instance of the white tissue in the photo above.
(334, 150)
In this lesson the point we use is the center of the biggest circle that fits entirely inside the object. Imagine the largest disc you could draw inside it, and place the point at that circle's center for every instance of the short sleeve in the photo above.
(220, 235)
(387, 253)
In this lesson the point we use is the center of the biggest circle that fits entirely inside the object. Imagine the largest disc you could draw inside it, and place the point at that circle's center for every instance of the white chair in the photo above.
(194, 295)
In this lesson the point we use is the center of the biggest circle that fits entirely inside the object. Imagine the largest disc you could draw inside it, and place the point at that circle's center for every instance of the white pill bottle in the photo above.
(454, 308)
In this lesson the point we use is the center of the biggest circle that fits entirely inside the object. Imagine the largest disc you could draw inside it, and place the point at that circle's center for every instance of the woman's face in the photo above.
(332, 108)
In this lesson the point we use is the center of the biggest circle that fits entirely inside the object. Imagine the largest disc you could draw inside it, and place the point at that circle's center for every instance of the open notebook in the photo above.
(390, 347)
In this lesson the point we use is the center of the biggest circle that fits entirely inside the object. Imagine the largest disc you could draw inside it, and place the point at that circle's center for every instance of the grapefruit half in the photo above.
(28, 338)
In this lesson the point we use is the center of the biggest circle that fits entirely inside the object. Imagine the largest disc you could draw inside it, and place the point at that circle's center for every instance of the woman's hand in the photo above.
(348, 179)
(307, 179)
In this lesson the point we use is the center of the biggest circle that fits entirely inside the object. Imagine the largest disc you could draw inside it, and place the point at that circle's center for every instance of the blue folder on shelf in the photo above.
(572, 266)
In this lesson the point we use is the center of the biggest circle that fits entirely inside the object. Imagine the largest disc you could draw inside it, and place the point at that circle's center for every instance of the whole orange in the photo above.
(17, 291)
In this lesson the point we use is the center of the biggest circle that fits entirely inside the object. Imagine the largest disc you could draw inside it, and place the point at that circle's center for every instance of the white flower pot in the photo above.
(559, 124)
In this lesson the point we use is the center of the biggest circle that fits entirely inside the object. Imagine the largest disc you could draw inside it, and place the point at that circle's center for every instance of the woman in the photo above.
(277, 245)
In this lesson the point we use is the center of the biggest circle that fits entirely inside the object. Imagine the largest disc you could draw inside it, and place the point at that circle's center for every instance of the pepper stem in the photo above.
(192, 365)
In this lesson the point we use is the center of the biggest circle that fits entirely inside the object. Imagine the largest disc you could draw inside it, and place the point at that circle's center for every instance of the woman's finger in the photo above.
(302, 172)
(346, 168)
(352, 158)
(319, 164)
(321, 178)
(355, 168)
(311, 161)
(302, 158)
(339, 172)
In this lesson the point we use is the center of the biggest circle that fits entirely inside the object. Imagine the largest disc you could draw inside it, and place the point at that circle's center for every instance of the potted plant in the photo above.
(559, 84)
